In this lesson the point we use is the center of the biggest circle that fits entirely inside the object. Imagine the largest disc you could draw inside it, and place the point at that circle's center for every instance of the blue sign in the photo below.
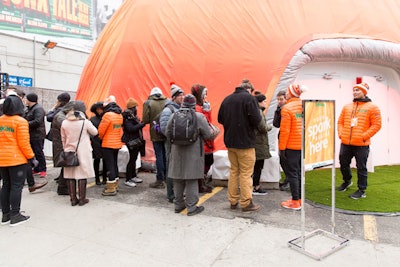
(21, 81)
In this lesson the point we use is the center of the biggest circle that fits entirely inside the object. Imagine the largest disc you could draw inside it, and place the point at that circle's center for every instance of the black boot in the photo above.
(203, 188)
(98, 180)
(82, 192)
(62, 188)
(72, 191)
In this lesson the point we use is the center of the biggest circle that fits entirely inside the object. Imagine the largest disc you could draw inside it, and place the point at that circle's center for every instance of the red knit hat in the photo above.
(296, 90)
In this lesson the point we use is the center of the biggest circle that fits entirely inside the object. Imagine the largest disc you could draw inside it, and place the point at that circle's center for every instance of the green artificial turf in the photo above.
(383, 192)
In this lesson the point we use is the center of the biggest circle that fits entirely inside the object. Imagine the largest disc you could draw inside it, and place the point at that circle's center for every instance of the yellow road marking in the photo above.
(370, 229)
(90, 184)
(205, 197)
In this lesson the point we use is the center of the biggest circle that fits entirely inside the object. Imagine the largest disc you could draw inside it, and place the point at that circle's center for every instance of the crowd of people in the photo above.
(183, 168)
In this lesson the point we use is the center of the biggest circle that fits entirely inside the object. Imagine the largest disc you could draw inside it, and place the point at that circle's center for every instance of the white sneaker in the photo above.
(137, 180)
(130, 183)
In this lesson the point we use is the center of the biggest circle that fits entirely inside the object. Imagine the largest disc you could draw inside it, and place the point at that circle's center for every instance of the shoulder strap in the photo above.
(79, 140)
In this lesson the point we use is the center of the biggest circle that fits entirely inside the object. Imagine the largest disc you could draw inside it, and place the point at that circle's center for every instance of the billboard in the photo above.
(319, 133)
(63, 18)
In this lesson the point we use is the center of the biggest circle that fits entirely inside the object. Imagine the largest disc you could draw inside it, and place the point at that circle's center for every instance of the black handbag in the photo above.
(49, 135)
(69, 158)
(136, 143)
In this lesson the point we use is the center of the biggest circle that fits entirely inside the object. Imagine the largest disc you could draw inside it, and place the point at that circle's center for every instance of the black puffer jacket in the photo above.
(131, 125)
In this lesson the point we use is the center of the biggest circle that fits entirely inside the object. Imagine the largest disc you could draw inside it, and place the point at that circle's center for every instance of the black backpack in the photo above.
(184, 129)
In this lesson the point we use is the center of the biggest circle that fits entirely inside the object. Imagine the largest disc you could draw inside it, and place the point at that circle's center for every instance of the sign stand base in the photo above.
(320, 244)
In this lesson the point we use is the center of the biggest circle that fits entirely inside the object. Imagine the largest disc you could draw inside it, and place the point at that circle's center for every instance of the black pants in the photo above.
(96, 167)
(110, 157)
(361, 155)
(208, 161)
(293, 163)
(131, 167)
(29, 176)
(37, 147)
(11, 192)
(258, 166)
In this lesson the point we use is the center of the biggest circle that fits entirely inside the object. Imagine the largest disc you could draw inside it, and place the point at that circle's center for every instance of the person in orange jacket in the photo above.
(358, 122)
(110, 132)
(15, 154)
(290, 143)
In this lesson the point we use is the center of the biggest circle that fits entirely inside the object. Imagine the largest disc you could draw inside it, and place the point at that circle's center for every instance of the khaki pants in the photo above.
(242, 164)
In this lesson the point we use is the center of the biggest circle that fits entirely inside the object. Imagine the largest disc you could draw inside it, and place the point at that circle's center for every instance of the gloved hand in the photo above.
(141, 125)
(33, 162)
(157, 128)
(282, 154)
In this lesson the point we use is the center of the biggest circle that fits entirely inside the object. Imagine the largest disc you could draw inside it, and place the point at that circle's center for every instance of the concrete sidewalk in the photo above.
(110, 233)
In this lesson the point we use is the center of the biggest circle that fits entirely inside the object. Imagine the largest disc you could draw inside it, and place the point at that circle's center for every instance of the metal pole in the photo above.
(333, 173)
(303, 184)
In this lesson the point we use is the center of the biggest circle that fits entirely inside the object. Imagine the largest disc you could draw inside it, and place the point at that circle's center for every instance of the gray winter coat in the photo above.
(187, 162)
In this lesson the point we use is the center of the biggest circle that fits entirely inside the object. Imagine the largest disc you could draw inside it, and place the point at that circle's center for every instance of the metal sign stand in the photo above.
(319, 243)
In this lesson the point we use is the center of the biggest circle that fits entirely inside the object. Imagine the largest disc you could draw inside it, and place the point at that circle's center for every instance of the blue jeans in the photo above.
(161, 161)
(11, 192)
(361, 155)
(170, 183)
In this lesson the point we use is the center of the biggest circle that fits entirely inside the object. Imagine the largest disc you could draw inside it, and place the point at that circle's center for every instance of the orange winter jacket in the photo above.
(291, 125)
(110, 130)
(358, 122)
(14, 137)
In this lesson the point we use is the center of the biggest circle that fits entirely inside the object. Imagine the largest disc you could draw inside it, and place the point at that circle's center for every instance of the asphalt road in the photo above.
(377, 229)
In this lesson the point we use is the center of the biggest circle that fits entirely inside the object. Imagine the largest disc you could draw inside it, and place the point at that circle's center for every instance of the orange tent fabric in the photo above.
(150, 43)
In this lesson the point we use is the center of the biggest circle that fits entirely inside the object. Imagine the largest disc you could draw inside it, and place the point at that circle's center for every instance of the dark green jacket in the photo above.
(262, 145)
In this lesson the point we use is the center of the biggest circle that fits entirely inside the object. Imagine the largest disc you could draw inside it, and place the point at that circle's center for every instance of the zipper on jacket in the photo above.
(351, 128)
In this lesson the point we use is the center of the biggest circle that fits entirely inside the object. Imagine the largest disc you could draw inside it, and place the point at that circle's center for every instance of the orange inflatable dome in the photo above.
(149, 43)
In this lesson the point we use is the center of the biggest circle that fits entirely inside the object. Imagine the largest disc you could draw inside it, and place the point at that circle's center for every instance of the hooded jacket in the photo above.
(131, 125)
(110, 128)
(14, 134)
(151, 108)
(367, 121)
